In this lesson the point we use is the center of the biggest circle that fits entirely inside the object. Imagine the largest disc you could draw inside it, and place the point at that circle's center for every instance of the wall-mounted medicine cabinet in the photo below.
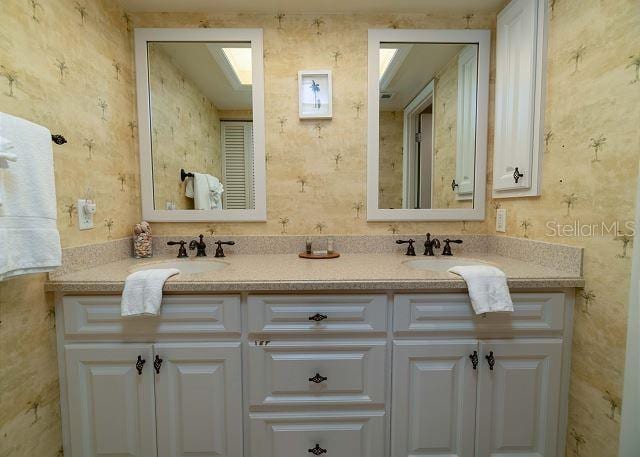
(519, 99)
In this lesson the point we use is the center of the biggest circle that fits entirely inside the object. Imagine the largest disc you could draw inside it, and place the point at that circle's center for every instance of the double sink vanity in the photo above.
(372, 354)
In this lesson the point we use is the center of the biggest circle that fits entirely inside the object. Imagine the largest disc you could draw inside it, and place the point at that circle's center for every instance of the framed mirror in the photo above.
(201, 124)
(427, 132)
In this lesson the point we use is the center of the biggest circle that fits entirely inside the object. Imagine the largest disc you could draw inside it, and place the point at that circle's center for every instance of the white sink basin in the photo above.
(440, 264)
(186, 266)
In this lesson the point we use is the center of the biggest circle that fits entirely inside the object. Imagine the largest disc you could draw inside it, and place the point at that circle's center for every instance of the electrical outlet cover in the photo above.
(501, 220)
(85, 219)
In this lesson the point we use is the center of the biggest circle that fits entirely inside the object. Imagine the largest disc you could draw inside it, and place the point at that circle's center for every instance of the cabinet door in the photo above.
(516, 61)
(518, 400)
(199, 399)
(434, 399)
(111, 406)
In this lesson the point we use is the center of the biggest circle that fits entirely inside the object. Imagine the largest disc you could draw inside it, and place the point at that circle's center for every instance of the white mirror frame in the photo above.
(377, 36)
(149, 213)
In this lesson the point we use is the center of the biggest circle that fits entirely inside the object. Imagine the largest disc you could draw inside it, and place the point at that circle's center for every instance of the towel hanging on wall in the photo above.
(29, 238)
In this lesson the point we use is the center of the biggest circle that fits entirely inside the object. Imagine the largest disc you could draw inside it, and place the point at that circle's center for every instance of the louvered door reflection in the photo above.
(237, 152)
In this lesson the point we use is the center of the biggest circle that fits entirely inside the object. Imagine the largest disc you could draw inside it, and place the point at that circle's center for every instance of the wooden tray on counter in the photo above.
(332, 255)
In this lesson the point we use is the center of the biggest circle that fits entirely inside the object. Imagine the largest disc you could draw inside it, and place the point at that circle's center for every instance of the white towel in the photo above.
(29, 238)
(201, 197)
(188, 188)
(487, 286)
(206, 191)
(215, 192)
(6, 153)
(142, 293)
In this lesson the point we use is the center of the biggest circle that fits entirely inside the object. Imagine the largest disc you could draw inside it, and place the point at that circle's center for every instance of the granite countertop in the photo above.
(288, 272)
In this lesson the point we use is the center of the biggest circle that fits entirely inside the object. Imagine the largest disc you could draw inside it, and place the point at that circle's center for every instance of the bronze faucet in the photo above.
(182, 252)
(219, 251)
(410, 250)
(202, 247)
(430, 244)
(447, 248)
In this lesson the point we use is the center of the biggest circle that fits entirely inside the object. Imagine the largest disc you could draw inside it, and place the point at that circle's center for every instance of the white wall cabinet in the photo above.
(287, 375)
(119, 393)
(519, 104)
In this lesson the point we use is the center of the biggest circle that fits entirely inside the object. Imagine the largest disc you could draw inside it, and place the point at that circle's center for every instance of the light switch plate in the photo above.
(501, 220)
(85, 217)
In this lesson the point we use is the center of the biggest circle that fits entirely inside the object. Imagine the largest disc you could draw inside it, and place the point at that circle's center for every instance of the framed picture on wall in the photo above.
(315, 95)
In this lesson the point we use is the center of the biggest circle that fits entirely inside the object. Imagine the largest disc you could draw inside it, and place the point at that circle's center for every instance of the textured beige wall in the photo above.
(66, 65)
(391, 151)
(185, 130)
(593, 97)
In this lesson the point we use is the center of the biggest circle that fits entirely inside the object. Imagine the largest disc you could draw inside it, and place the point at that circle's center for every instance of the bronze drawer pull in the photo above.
(140, 364)
(317, 450)
(491, 359)
(318, 378)
(517, 175)
(474, 359)
(318, 317)
(157, 363)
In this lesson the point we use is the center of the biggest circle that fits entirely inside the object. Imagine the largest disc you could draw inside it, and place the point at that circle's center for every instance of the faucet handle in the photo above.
(447, 248)
(182, 252)
(410, 249)
(219, 250)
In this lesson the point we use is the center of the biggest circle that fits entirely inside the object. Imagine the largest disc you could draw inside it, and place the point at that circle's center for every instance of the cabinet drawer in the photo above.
(343, 434)
(292, 373)
(333, 313)
(440, 313)
(99, 316)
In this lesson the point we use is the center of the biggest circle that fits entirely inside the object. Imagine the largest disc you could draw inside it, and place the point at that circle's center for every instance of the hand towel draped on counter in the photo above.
(206, 191)
(29, 238)
(487, 286)
(142, 295)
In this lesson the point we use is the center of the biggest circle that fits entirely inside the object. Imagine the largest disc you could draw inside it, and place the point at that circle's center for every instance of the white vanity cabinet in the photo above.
(434, 398)
(111, 407)
(466, 385)
(149, 386)
(340, 374)
(121, 394)
(443, 406)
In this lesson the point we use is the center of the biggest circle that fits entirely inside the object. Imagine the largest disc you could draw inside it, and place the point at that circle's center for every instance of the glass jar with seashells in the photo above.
(142, 241)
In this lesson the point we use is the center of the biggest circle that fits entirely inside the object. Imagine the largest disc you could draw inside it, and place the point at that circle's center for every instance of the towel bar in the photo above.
(58, 139)
(184, 175)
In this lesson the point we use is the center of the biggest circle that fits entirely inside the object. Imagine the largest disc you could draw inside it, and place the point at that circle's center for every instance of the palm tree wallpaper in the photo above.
(594, 81)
